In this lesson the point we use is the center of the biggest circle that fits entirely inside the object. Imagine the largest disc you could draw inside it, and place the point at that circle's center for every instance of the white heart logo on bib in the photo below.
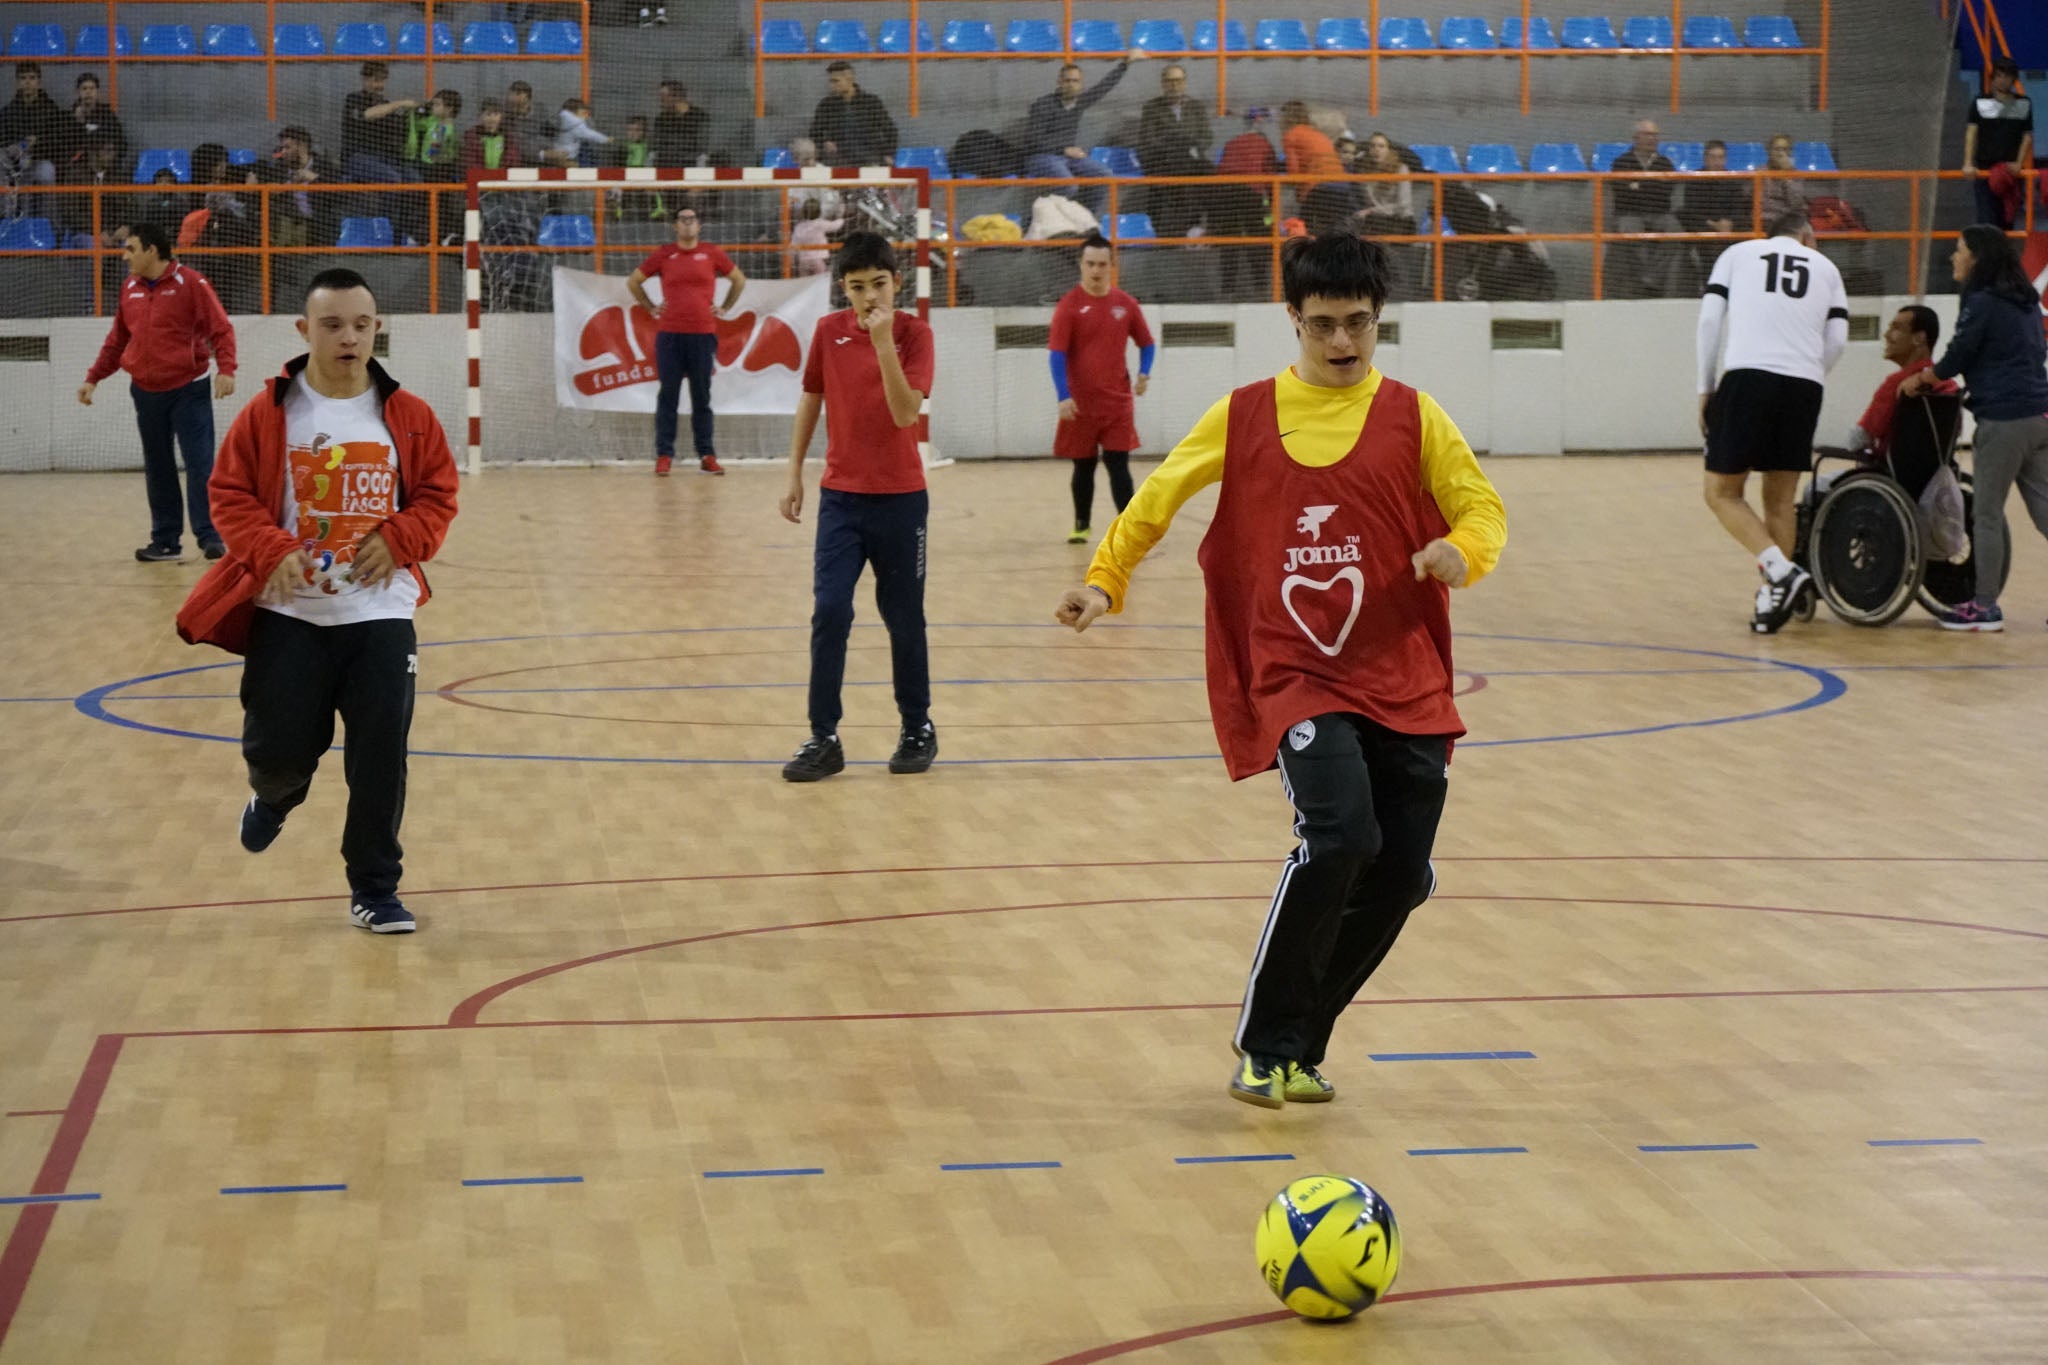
(1348, 574)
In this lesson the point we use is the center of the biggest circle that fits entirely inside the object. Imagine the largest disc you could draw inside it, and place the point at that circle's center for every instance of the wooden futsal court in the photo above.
(1723, 1040)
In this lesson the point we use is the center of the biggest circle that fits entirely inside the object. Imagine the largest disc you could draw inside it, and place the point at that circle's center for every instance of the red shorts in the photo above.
(1112, 426)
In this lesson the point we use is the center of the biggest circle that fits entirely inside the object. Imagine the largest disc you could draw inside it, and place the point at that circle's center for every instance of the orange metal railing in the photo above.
(1371, 57)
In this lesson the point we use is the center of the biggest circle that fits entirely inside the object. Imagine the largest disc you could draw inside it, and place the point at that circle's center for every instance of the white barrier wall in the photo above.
(1621, 380)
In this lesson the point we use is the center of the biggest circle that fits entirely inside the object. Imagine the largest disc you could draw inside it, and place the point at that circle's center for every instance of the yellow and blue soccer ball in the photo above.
(1328, 1246)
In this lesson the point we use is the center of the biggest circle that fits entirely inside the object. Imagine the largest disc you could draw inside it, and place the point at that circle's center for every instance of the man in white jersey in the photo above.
(1780, 305)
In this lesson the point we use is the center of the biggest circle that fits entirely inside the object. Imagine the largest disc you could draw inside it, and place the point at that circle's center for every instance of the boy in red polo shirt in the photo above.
(1091, 329)
(1350, 505)
(871, 369)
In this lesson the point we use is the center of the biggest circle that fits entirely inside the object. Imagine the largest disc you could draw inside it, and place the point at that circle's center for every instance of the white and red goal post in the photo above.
(558, 180)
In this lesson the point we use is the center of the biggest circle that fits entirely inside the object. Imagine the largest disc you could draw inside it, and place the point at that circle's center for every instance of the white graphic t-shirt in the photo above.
(343, 485)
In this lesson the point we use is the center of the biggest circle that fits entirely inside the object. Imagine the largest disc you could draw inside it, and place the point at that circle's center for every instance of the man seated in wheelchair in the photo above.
(1909, 344)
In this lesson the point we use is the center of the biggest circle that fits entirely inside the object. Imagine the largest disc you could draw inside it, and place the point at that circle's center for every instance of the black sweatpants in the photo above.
(886, 530)
(680, 356)
(1118, 463)
(296, 677)
(1367, 801)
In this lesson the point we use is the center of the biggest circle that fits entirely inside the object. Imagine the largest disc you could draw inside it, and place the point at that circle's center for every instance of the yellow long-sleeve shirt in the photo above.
(1322, 426)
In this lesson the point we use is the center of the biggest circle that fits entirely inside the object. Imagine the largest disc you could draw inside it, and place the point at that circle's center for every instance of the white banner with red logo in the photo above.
(604, 344)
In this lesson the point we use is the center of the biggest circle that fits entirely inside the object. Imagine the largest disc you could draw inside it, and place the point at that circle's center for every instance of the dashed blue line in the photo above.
(526, 1180)
(1926, 1142)
(1696, 1147)
(781, 1170)
(999, 1166)
(13, 1199)
(1466, 1151)
(281, 1189)
(1218, 1160)
(1452, 1056)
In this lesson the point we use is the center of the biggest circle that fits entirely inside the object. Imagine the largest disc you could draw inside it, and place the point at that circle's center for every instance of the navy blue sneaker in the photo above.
(260, 825)
(154, 553)
(384, 916)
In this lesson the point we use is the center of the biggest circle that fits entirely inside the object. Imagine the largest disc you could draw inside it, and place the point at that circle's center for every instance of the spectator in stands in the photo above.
(1052, 131)
(810, 234)
(1251, 151)
(91, 122)
(521, 127)
(1244, 210)
(2000, 135)
(804, 152)
(489, 145)
(299, 218)
(1782, 195)
(33, 122)
(165, 206)
(432, 142)
(98, 168)
(1638, 270)
(574, 132)
(1716, 205)
(373, 134)
(1174, 139)
(1389, 204)
(680, 135)
(850, 126)
(222, 218)
(1308, 149)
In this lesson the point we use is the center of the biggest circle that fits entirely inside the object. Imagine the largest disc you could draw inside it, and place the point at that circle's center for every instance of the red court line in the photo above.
(1167, 1338)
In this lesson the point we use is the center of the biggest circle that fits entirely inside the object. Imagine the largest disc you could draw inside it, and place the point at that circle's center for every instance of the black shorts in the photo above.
(1758, 420)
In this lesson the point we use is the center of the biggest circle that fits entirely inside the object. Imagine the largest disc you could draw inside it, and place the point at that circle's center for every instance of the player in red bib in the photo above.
(870, 368)
(1090, 329)
(1350, 504)
(687, 345)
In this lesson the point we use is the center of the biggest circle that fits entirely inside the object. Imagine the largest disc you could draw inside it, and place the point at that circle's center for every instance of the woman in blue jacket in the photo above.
(2000, 351)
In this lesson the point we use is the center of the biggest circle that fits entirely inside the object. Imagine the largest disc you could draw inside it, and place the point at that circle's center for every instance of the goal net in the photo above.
(562, 365)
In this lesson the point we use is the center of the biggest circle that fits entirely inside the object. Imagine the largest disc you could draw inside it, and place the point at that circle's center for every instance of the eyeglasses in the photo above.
(1323, 328)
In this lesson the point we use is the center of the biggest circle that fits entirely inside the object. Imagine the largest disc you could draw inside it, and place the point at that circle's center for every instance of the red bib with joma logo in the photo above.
(1312, 600)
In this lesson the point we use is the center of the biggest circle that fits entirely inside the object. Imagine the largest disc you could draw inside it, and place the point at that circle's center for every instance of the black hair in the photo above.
(451, 98)
(1712, 143)
(1094, 240)
(676, 86)
(1998, 267)
(491, 105)
(338, 279)
(293, 133)
(369, 69)
(153, 236)
(2006, 66)
(28, 69)
(83, 77)
(864, 251)
(209, 163)
(1925, 321)
(1790, 223)
(519, 88)
(1339, 265)
(838, 67)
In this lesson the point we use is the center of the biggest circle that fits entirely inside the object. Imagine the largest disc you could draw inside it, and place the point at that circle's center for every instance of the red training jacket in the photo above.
(165, 332)
(247, 492)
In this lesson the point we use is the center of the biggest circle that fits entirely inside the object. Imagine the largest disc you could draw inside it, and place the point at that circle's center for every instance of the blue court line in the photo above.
(999, 1166)
(786, 1170)
(280, 1189)
(526, 1180)
(46, 1198)
(1696, 1147)
(1465, 1151)
(1926, 1142)
(1218, 1160)
(669, 687)
(1452, 1056)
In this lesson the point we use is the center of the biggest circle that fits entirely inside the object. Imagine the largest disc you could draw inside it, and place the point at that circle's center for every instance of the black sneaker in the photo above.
(915, 750)
(212, 549)
(1778, 599)
(158, 554)
(383, 915)
(260, 824)
(661, 15)
(819, 759)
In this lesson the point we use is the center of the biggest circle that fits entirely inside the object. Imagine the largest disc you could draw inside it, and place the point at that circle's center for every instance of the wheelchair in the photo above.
(1861, 532)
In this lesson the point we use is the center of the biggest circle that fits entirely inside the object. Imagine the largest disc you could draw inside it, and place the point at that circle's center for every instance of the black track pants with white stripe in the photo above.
(1366, 801)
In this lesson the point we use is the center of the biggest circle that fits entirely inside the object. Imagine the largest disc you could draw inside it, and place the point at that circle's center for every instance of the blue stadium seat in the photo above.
(932, 159)
(168, 40)
(92, 40)
(297, 40)
(27, 234)
(1813, 156)
(784, 36)
(895, 36)
(555, 38)
(1406, 35)
(241, 156)
(968, 35)
(1120, 160)
(842, 36)
(412, 40)
(363, 40)
(493, 38)
(1647, 31)
(776, 158)
(365, 232)
(1098, 35)
(1028, 35)
(36, 40)
(1747, 156)
(1710, 30)
(1492, 158)
(1159, 35)
(1466, 34)
(174, 159)
(1336, 35)
(1131, 226)
(1687, 156)
(1605, 154)
(1235, 39)
(566, 229)
(1437, 158)
(1557, 158)
(232, 40)
(1280, 35)
(1770, 30)
(1541, 34)
(1590, 31)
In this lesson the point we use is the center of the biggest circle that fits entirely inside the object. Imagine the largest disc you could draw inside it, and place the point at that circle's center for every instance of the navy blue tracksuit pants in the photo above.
(886, 530)
(186, 414)
(679, 356)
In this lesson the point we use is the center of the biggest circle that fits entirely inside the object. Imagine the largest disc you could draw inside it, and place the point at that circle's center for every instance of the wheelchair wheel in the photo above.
(1866, 550)
(1947, 585)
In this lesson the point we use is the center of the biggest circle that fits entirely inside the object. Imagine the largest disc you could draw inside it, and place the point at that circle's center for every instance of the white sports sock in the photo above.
(1774, 564)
